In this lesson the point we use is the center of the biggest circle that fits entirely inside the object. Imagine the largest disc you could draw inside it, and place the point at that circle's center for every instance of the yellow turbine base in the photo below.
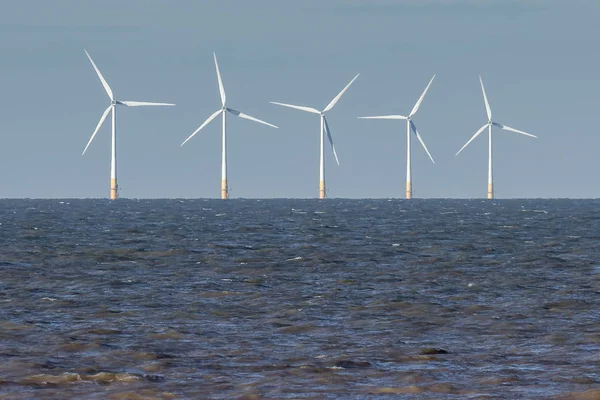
(224, 191)
(490, 191)
(113, 189)
(321, 189)
(408, 190)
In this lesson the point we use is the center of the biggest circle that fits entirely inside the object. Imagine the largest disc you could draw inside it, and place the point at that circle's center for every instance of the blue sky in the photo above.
(539, 61)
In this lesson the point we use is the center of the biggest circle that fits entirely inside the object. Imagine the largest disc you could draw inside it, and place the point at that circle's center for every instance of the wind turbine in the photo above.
(410, 126)
(324, 126)
(224, 110)
(113, 107)
(489, 125)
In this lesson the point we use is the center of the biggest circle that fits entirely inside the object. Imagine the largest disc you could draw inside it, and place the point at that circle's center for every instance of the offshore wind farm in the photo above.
(311, 269)
(411, 128)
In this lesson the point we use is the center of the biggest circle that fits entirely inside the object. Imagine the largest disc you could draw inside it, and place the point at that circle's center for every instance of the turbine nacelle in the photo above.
(322, 113)
(224, 109)
(113, 102)
(410, 124)
(491, 123)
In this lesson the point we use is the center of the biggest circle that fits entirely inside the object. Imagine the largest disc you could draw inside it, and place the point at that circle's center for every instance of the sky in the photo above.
(539, 60)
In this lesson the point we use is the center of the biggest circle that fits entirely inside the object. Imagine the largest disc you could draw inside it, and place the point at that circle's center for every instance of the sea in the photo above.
(299, 299)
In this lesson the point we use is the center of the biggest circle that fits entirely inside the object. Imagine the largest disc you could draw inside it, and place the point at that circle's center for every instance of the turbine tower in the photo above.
(410, 126)
(489, 125)
(113, 107)
(224, 110)
(324, 127)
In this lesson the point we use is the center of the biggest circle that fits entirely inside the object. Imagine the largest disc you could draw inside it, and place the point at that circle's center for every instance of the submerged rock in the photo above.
(432, 350)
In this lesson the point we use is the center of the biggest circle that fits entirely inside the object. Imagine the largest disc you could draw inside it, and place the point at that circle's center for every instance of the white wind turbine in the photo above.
(113, 107)
(410, 126)
(489, 125)
(324, 126)
(224, 110)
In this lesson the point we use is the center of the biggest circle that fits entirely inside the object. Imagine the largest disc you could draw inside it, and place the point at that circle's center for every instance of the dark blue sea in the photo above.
(299, 299)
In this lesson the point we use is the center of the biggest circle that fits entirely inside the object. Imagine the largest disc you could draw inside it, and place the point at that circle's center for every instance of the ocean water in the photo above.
(278, 299)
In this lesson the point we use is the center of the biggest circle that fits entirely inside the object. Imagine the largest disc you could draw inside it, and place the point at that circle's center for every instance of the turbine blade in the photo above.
(414, 129)
(246, 116)
(221, 88)
(474, 136)
(336, 98)
(142, 103)
(104, 115)
(331, 141)
(203, 125)
(385, 117)
(418, 103)
(508, 128)
(301, 108)
(104, 83)
(488, 110)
